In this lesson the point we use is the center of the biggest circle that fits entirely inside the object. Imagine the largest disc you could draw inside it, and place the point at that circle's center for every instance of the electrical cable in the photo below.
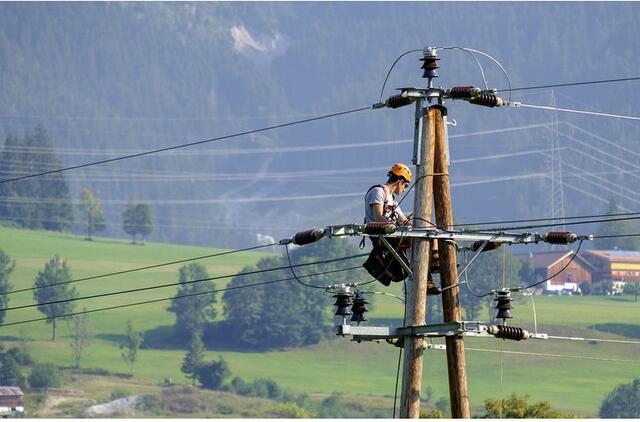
(531, 220)
(612, 236)
(141, 289)
(391, 68)
(561, 270)
(166, 298)
(174, 147)
(570, 84)
(567, 110)
(565, 223)
(404, 322)
(552, 355)
(286, 247)
(131, 270)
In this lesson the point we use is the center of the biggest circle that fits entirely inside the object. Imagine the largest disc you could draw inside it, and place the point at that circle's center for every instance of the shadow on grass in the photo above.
(218, 336)
(626, 330)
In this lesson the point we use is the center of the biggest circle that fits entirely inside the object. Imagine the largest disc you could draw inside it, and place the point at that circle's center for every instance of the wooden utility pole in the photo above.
(417, 285)
(456, 364)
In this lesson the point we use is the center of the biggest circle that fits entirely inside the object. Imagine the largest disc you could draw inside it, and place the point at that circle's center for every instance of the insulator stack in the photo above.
(509, 333)
(487, 100)
(307, 236)
(359, 308)
(399, 100)
(503, 297)
(430, 59)
(463, 92)
(379, 229)
(560, 238)
(488, 247)
(343, 304)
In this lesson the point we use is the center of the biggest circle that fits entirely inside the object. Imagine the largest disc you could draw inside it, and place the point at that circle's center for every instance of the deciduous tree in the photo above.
(130, 346)
(49, 287)
(92, 211)
(622, 402)
(192, 308)
(6, 268)
(80, 336)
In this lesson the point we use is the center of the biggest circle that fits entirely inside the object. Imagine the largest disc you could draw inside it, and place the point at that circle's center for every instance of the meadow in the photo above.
(574, 376)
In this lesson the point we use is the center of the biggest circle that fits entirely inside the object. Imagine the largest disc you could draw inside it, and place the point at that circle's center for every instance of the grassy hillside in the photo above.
(338, 365)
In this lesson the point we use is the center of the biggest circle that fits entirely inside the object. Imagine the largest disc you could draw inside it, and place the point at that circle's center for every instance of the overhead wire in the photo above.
(146, 302)
(602, 81)
(185, 145)
(553, 355)
(131, 270)
(161, 286)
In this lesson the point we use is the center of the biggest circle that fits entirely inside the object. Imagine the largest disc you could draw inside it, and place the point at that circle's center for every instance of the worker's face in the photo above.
(401, 186)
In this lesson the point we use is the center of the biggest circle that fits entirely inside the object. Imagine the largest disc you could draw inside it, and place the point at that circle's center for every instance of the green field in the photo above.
(572, 384)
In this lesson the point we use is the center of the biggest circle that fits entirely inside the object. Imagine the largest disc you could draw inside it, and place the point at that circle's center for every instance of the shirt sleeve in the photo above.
(375, 196)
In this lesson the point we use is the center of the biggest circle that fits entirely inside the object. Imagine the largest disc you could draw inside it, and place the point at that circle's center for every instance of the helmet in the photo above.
(401, 170)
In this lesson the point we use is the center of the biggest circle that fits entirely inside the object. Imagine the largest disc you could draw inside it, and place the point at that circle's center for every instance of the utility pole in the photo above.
(456, 362)
(417, 285)
(432, 187)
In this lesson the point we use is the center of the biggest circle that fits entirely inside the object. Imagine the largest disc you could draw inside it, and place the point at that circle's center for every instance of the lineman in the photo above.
(381, 206)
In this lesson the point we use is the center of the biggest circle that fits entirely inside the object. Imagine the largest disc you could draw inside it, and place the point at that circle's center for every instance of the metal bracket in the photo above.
(461, 328)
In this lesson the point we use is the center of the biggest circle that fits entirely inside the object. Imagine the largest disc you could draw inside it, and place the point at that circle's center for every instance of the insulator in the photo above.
(359, 308)
(560, 238)
(430, 59)
(398, 100)
(504, 304)
(343, 304)
(487, 100)
(507, 332)
(307, 236)
(379, 229)
(488, 247)
(463, 92)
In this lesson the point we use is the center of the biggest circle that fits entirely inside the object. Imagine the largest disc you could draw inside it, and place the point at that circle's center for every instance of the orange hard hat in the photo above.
(401, 170)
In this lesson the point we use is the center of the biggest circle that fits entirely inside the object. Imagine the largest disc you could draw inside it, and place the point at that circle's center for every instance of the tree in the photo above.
(90, 207)
(45, 375)
(137, 220)
(213, 374)
(622, 402)
(612, 228)
(38, 203)
(80, 333)
(130, 346)
(6, 268)
(194, 357)
(49, 288)
(10, 373)
(285, 314)
(518, 407)
(192, 312)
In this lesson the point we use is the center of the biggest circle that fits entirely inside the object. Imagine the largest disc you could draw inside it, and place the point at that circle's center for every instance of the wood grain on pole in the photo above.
(417, 286)
(456, 363)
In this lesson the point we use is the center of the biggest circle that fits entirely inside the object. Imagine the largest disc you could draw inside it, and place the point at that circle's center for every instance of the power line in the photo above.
(566, 223)
(532, 220)
(155, 151)
(567, 110)
(604, 81)
(148, 267)
(552, 355)
(169, 298)
(161, 286)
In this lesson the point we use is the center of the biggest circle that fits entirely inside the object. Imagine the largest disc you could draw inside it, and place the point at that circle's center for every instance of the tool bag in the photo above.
(383, 266)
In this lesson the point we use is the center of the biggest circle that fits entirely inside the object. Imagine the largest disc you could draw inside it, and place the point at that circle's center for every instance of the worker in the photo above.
(381, 206)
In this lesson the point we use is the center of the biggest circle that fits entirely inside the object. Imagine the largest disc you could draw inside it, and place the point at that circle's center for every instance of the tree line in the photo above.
(45, 203)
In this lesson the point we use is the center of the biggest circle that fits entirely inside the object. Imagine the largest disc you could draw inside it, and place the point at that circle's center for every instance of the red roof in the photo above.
(548, 259)
(11, 391)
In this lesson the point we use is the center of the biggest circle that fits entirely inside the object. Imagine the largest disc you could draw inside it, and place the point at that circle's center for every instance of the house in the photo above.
(11, 404)
(618, 266)
(548, 264)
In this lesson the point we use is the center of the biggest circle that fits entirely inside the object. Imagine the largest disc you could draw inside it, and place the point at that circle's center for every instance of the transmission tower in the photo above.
(556, 203)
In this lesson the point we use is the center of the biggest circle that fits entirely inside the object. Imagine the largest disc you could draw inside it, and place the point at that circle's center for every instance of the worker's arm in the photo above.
(378, 212)
(403, 219)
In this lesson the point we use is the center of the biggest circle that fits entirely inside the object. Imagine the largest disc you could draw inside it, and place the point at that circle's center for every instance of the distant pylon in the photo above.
(556, 203)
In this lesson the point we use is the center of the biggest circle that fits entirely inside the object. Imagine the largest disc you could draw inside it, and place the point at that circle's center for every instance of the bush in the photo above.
(119, 393)
(212, 375)
(241, 387)
(152, 403)
(289, 411)
(45, 375)
(631, 288)
(622, 402)
(224, 409)
(267, 388)
(21, 355)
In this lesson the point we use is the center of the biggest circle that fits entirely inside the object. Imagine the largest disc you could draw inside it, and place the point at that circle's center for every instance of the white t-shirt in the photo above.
(377, 195)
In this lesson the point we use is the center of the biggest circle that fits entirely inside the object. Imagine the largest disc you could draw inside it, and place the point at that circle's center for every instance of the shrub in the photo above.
(224, 409)
(45, 375)
(622, 402)
(241, 387)
(119, 393)
(289, 411)
(21, 355)
(152, 403)
(212, 375)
